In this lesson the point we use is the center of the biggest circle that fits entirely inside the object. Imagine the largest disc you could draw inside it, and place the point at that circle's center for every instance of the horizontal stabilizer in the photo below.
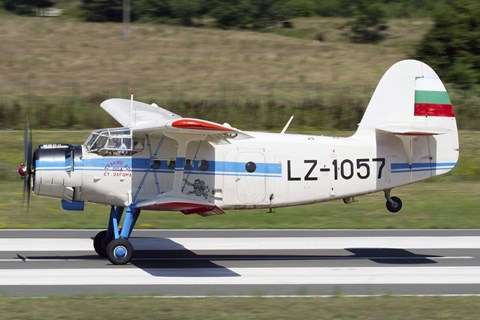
(409, 130)
(406, 133)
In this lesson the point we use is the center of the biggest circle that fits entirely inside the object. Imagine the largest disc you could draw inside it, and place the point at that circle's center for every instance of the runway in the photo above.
(244, 262)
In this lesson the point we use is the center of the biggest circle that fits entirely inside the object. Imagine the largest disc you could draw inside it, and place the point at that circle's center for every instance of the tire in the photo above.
(394, 205)
(99, 243)
(119, 251)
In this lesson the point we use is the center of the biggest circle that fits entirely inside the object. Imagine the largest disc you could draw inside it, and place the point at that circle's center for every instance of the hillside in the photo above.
(230, 76)
(56, 50)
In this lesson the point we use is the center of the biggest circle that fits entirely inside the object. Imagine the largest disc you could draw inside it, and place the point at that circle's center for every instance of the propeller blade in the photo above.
(26, 192)
(27, 148)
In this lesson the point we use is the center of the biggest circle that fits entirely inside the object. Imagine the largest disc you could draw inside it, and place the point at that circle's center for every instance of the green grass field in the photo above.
(255, 308)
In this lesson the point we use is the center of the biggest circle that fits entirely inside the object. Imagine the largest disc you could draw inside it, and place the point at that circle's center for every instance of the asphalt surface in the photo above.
(244, 262)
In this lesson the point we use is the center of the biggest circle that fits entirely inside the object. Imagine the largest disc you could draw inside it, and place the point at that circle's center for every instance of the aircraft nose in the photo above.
(54, 170)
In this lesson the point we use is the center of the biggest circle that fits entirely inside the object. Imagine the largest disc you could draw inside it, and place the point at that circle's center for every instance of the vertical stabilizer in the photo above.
(411, 117)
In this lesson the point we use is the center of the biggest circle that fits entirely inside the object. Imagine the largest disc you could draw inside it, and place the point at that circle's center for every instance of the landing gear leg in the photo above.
(113, 243)
(394, 204)
(102, 238)
(120, 250)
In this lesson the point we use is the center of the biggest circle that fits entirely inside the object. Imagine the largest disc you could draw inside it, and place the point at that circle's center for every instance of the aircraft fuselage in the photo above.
(271, 170)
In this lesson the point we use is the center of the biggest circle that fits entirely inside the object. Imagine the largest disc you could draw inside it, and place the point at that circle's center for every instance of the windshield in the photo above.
(111, 142)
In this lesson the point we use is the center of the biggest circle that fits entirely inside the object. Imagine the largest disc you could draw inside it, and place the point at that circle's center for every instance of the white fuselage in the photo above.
(267, 170)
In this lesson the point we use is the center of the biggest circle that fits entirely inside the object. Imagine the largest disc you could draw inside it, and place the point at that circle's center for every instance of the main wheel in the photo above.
(99, 243)
(394, 204)
(119, 251)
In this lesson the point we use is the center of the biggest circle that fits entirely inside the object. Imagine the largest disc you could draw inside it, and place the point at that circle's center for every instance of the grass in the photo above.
(37, 55)
(383, 307)
(426, 206)
(430, 204)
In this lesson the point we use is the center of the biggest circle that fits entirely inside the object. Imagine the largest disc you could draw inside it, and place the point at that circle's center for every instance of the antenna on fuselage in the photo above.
(287, 125)
(132, 121)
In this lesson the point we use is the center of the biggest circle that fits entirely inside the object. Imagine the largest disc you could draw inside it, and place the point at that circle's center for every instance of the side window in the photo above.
(128, 143)
(138, 144)
(119, 146)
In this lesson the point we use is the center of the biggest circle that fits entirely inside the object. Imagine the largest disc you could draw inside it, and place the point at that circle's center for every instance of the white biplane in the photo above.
(161, 161)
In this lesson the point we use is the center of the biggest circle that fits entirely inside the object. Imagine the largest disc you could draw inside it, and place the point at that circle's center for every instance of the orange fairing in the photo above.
(196, 124)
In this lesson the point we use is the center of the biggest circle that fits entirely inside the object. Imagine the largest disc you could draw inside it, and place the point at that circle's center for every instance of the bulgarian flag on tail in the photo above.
(431, 98)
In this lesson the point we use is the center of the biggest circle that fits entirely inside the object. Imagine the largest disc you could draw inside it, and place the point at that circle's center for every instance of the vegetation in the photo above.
(452, 46)
(232, 13)
(258, 308)
(427, 205)
(60, 81)
(102, 10)
(366, 28)
(26, 7)
(269, 114)
(270, 111)
(255, 13)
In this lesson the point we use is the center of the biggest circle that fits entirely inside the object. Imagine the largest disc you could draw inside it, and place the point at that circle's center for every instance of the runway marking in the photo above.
(285, 243)
(250, 258)
(402, 264)
(241, 276)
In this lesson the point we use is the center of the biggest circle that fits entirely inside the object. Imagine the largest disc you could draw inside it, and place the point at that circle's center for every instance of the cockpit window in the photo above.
(99, 142)
(111, 142)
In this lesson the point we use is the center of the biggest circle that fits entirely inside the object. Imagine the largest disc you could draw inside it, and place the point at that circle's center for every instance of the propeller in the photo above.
(25, 170)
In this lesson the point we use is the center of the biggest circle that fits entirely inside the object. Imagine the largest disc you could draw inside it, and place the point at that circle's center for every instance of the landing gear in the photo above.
(119, 251)
(394, 204)
(113, 243)
(100, 244)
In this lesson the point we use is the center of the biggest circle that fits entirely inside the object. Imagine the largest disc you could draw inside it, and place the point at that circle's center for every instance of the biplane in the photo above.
(158, 160)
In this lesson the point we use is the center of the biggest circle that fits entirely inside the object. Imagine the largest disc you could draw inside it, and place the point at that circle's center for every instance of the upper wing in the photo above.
(135, 114)
(140, 116)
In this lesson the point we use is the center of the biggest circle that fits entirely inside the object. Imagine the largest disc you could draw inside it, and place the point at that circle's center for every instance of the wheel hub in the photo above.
(120, 252)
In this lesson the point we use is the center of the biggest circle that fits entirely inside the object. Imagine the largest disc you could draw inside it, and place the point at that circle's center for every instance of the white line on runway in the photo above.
(250, 258)
(242, 276)
(278, 243)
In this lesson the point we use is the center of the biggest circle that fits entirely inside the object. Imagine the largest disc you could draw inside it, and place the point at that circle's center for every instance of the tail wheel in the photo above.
(119, 251)
(394, 204)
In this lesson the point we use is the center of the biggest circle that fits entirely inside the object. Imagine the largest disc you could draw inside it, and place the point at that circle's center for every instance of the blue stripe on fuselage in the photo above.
(144, 164)
(421, 166)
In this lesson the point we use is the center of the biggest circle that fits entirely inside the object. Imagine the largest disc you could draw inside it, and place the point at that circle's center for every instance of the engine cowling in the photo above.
(54, 171)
